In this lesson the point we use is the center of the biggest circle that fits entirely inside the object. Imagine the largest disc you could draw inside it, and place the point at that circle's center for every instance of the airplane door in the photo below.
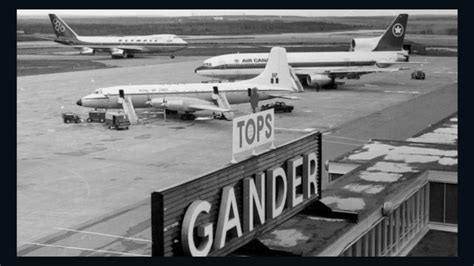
(121, 94)
(216, 90)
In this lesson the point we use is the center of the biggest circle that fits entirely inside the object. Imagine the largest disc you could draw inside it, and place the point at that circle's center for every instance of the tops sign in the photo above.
(251, 131)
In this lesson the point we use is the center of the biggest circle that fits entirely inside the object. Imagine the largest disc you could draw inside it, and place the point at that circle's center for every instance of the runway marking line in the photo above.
(86, 249)
(295, 129)
(101, 234)
(343, 143)
(339, 137)
(403, 92)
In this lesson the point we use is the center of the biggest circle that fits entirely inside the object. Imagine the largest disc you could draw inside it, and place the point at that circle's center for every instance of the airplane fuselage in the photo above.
(141, 95)
(248, 65)
(151, 43)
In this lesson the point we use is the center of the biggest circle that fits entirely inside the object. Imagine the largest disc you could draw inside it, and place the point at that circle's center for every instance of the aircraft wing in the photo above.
(131, 48)
(209, 108)
(288, 97)
(348, 71)
(110, 48)
(382, 63)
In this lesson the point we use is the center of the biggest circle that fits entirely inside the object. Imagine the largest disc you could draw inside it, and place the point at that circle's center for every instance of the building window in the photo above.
(443, 203)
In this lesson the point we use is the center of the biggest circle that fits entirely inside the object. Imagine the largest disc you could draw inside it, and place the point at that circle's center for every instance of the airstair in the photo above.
(129, 109)
(296, 82)
(222, 102)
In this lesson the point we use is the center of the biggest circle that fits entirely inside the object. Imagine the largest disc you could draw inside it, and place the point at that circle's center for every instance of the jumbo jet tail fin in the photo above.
(392, 39)
(61, 29)
(277, 70)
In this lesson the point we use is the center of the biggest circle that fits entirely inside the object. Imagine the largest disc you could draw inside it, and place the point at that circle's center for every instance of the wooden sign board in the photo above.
(220, 211)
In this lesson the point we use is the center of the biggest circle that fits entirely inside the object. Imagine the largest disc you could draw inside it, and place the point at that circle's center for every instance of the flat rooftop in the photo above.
(383, 169)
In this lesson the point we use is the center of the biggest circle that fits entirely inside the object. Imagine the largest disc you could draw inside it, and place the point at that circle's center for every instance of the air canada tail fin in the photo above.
(277, 70)
(392, 39)
(61, 29)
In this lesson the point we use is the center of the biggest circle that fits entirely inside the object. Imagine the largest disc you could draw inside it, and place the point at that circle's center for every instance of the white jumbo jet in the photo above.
(273, 82)
(117, 46)
(366, 55)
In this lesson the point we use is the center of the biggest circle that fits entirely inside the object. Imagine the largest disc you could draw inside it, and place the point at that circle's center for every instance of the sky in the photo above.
(221, 12)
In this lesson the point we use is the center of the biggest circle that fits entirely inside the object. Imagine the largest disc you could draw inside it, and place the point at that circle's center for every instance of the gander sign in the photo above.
(221, 211)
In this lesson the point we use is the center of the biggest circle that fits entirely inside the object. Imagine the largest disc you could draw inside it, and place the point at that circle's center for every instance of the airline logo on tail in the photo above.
(61, 29)
(392, 39)
(58, 26)
(397, 30)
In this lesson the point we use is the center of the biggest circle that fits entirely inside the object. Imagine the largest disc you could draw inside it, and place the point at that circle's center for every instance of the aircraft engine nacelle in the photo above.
(87, 51)
(318, 79)
(364, 44)
(177, 103)
(117, 53)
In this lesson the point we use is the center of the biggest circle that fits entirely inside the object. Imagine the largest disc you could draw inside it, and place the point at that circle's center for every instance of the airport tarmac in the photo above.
(83, 189)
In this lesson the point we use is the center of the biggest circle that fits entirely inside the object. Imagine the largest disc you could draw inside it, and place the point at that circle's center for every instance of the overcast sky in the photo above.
(218, 12)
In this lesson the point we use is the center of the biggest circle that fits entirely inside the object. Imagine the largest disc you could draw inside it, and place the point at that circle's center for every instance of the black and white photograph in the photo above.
(237, 133)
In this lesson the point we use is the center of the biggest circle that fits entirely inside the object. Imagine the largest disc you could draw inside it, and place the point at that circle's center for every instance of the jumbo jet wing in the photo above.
(107, 48)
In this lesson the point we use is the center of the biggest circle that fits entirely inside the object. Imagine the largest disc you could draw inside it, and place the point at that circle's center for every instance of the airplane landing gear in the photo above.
(130, 55)
(188, 116)
(172, 56)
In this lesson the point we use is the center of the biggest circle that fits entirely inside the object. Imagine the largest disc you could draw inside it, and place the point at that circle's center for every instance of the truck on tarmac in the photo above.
(96, 116)
(116, 120)
(69, 117)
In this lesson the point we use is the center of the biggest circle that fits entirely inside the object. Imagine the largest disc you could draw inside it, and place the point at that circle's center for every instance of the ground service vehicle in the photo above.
(69, 117)
(96, 116)
(278, 106)
(114, 120)
(418, 74)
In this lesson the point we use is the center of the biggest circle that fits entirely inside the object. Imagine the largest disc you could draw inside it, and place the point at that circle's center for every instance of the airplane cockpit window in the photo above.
(98, 91)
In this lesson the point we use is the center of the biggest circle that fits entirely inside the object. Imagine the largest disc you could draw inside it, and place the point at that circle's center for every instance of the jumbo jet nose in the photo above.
(79, 102)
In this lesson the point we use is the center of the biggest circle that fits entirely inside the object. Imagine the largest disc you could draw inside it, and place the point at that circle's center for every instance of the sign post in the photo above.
(254, 98)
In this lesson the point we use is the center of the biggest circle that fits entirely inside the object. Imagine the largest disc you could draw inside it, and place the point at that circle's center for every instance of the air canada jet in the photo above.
(273, 82)
(118, 47)
(366, 55)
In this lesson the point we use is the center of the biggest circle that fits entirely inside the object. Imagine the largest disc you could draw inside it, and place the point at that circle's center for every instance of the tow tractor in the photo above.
(115, 120)
(96, 116)
(70, 117)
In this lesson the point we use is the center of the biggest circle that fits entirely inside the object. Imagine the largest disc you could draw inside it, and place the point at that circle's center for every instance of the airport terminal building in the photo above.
(382, 200)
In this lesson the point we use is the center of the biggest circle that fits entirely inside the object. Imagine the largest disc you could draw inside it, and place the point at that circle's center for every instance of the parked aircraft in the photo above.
(367, 55)
(117, 46)
(273, 82)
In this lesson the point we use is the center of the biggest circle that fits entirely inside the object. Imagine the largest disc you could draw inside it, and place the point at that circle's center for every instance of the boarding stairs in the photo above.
(221, 101)
(296, 82)
(129, 109)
